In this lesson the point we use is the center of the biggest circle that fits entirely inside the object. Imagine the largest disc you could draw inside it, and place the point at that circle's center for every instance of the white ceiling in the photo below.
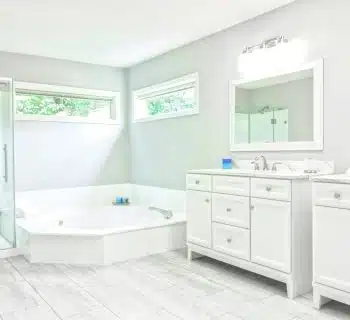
(117, 32)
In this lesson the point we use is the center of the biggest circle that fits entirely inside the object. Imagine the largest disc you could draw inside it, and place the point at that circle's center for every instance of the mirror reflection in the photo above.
(274, 110)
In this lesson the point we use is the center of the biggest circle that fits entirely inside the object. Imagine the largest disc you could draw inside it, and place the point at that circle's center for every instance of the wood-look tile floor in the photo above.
(165, 287)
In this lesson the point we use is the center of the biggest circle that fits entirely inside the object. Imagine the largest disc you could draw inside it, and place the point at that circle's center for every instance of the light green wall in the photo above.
(61, 155)
(162, 151)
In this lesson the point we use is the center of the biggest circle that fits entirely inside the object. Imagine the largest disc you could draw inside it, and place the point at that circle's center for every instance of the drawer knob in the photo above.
(251, 207)
(268, 189)
(228, 210)
(229, 240)
(337, 195)
(207, 200)
(197, 182)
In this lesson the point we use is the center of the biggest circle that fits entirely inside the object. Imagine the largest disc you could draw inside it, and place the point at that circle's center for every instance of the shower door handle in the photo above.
(5, 177)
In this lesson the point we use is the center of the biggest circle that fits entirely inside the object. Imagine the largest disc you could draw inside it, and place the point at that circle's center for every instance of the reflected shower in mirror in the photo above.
(279, 110)
(278, 113)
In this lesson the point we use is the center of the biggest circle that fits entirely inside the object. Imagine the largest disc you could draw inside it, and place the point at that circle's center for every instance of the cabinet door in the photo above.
(271, 233)
(331, 247)
(198, 209)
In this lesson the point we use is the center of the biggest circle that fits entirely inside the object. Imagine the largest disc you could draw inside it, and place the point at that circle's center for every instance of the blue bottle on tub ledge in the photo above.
(121, 201)
(227, 163)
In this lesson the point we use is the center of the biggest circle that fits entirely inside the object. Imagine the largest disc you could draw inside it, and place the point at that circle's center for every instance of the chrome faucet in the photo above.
(256, 165)
(264, 163)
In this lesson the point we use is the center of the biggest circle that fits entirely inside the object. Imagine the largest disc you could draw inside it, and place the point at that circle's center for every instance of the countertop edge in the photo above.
(251, 175)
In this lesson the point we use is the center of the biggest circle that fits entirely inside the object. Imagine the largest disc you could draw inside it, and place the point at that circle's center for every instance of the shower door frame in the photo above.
(11, 175)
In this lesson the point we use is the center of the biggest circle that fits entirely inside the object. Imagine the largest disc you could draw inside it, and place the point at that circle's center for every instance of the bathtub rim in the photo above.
(25, 224)
(76, 232)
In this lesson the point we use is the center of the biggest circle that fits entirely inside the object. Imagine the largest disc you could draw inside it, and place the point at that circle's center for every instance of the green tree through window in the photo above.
(171, 103)
(36, 104)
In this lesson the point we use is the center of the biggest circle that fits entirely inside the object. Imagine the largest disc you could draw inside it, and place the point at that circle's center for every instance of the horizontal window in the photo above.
(170, 99)
(66, 104)
(39, 104)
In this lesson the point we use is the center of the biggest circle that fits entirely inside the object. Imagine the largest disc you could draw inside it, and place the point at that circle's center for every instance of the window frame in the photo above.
(162, 89)
(39, 88)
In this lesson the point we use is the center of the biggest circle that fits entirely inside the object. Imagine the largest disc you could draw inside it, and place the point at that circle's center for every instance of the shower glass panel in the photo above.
(7, 190)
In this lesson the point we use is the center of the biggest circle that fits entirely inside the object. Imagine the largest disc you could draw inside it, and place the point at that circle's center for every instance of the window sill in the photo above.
(166, 116)
(66, 120)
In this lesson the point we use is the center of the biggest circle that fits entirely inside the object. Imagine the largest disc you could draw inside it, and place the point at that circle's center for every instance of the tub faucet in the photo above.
(265, 167)
(168, 214)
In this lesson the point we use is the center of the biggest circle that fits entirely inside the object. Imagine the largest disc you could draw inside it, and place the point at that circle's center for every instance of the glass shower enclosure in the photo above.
(7, 180)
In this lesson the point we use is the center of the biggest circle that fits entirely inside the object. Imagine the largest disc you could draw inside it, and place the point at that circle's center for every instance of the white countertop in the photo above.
(333, 178)
(290, 175)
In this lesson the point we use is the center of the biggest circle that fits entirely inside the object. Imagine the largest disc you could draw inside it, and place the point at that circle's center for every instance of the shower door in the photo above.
(7, 189)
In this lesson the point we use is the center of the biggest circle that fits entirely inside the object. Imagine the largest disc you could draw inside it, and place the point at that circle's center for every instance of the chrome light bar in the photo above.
(266, 44)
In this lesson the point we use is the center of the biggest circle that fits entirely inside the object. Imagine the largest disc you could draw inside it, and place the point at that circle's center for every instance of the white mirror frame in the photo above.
(316, 144)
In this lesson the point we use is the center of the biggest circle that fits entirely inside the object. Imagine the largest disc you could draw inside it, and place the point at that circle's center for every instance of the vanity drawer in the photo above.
(231, 240)
(271, 189)
(231, 185)
(199, 182)
(229, 209)
(331, 195)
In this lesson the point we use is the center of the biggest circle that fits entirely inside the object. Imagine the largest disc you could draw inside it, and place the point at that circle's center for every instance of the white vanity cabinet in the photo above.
(331, 239)
(259, 224)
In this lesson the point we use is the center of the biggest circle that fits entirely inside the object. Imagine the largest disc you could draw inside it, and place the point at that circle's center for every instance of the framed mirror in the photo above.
(278, 112)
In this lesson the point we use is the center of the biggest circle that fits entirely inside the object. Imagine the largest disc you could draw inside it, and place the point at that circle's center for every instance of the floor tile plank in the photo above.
(164, 287)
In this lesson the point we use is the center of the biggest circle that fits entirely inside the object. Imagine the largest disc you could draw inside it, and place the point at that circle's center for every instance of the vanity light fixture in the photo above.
(272, 55)
(266, 44)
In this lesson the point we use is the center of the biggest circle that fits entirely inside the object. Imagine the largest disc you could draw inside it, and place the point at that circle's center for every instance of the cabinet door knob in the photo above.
(228, 210)
(337, 195)
(207, 200)
(268, 189)
(197, 182)
(251, 207)
(229, 240)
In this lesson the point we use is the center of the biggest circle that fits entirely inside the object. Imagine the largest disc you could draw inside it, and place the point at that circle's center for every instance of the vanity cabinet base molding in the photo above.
(263, 225)
(195, 251)
(323, 294)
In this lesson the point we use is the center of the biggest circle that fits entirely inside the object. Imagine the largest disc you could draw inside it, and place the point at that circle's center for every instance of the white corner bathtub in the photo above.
(84, 230)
